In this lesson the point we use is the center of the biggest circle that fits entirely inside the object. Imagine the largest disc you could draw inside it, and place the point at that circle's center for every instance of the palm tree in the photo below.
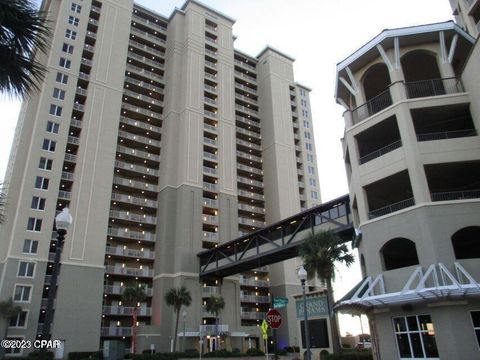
(23, 30)
(320, 251)
(132, 296)
(177, 297)
(8, 311)
(214, 305)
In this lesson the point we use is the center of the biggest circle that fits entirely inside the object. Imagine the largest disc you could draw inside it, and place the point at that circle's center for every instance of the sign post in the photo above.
(264, 328)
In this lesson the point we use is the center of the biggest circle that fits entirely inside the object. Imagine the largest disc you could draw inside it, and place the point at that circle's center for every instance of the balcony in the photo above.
(129, 234)
(249, 156)
(250, 182)
(64, 195)
(382, 151)
(134, 200)
(145, 60)
(246, 88)
(209, 171)
(371, 107)
(149, 23)
(210, 114)
(251, 222)
(211, 89)
(250, 208)
(126, 310)
(76, 123)
(118, 290)
(138, 185)
(214, 329)
(210, 219)
(207, 291)
(249, 145)
(137, 153)
(146, 99)
(455, 195)
(148, 36)
(249, 169)
(146, 48)
(136, 168)
(144, 73)
(211, 128)
(253, 282)
(391, 208)
(245, 65)
(140, 110)
(140, 124)
(249, 133)
(142, 84)
(116, 331)
(251, 195)
(210, 187)
(210, 236)
(210, 141)
(125, 215)
(247, 121)
(245, 76)
(79, 107)
(252, 315)
(139, 139)
(443, 135)
(210, 203)
(210, 156)
(246, 110)
(70, 158)
(122, 251)
(433, 87)
(89, 48)
(119, 270)
(255, 299)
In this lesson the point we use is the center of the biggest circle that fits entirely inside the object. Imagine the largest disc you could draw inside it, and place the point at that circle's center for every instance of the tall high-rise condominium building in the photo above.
(412, 154)
(163, 140)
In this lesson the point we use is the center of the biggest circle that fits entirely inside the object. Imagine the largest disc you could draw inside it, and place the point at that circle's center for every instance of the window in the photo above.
(62, 78)
(41, 183)
(70, 34)
(307, 135)
(22, 293)
(52, 127)
(398, 253)
(49, 145)
(20, 320)
(415, 337)
(38, 203)
(45, 164)
(76, 8)
(312, 182)
(30, 246)
(308, 146)
(55, 110)
(311, 170)
(310, 157)
(65, 63)
(14, 350)
(26, 269)
(67, 48)
(34, 224)
(306, 124)
(314, 195)
(476, 324)
(58, 93)
(72, 20)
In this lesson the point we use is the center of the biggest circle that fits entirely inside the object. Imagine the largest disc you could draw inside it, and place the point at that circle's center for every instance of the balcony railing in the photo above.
(255, 298)
(446, 135)
(210, 202)
(116, 331)
(124, 215)
(382, 151)
(126, 310)
(373, 106)
(138, 185)
(214, 329)
(253, 282)
(210, 236)
(209, 290)
(253, 315)
(455, 195)
(391, 208)
(118, 290)
(134, 200)
(118, 270)
(119, 250)
(136, 235)
(433, 87)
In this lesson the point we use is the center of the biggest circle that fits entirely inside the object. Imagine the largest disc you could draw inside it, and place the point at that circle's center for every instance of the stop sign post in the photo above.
(274, 319)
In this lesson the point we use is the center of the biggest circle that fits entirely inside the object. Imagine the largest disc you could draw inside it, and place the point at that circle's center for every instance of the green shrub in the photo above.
(254, 352)
(79, 355)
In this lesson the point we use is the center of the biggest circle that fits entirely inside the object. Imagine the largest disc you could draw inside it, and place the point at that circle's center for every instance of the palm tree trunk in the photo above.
(176, 330)
(333, 319)
(2, 349)
(134, 330)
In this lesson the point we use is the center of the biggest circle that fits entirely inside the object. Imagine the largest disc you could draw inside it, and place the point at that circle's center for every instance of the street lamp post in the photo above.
(302, 275)
(184, 321)
(62, 221)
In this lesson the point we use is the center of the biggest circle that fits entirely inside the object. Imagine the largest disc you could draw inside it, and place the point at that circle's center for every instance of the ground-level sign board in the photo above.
(264, 327)
(274, 319)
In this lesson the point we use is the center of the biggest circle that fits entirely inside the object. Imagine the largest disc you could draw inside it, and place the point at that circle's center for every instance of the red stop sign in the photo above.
(274, 319)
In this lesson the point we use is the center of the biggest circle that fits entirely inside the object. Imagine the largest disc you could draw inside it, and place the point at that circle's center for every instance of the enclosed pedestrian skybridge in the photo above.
(277, 242)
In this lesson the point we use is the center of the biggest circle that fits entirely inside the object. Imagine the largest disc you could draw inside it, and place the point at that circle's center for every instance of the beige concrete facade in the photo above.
(412, 154)
(163, 140)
